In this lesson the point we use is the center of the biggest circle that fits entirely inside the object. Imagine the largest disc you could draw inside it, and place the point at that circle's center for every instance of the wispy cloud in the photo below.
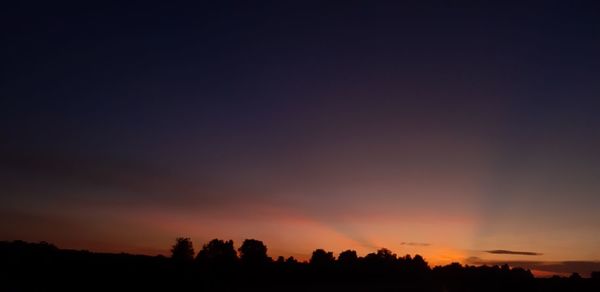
(513, 252)
(64, 176)
(416, 243)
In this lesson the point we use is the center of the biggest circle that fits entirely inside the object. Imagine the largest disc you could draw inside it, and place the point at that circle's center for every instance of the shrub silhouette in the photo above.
(575, 276)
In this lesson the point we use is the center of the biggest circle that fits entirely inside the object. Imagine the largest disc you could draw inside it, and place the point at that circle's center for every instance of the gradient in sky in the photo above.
(461, 131)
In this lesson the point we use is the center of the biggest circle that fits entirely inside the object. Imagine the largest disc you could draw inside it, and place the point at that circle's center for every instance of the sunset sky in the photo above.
(462, 132)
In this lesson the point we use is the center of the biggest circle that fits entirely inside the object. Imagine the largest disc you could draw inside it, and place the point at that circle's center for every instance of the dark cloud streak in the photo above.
(512, 252)
(557, 267)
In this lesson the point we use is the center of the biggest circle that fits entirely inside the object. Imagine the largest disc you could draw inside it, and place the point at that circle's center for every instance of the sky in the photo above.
(464, 132)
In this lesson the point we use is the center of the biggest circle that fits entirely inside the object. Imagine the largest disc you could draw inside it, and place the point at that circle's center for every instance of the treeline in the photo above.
(219, 266)
(253, 253)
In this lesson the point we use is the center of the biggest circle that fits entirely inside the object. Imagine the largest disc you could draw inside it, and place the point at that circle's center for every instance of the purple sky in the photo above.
(444, 130)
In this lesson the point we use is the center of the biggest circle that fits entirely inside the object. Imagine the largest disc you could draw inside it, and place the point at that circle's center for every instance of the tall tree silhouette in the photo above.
(254, 253)
(183, 250)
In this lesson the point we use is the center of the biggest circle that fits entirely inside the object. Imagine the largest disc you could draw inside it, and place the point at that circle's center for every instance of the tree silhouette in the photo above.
(386, 255)
(183, 250)
(382, 256)
(321, 257)
(254, 253)
(68, 270)
(217, 253)
(419, 263)
(348, 257)
(291, 260)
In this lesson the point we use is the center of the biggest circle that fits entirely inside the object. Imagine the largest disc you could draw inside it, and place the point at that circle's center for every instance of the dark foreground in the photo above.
(43, 267)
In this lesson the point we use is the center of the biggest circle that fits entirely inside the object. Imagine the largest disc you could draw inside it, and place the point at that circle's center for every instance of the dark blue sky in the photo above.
(373, 122)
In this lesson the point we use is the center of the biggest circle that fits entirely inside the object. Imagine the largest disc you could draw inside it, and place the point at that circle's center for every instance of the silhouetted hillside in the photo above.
(217, 267)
